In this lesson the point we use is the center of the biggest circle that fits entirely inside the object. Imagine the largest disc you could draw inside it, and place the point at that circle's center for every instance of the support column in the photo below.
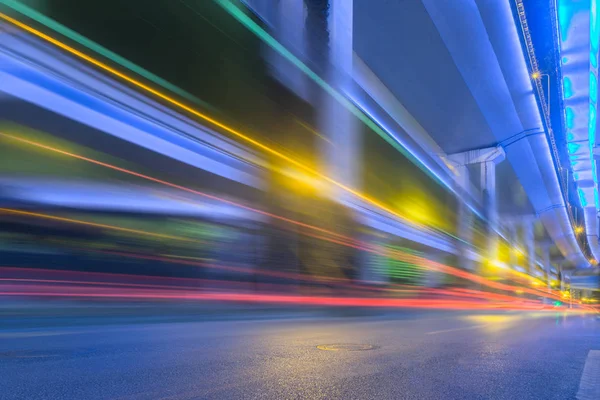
(488, 187)
(547, 267)
(465, 220)
(341, 127)
(529, 241)
(289, 20)
(321, 31)
(342, 154)
(546, 263)
(544, 248)
(514, 238)
(487, 159)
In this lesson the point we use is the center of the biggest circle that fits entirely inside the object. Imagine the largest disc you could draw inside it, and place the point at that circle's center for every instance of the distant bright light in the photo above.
(536, 75)
(498, 264)
(578, 229)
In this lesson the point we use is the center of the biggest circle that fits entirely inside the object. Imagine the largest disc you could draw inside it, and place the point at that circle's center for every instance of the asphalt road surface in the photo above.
(400, 355)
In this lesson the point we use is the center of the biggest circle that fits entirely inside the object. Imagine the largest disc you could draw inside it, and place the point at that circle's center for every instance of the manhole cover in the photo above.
(346, 347)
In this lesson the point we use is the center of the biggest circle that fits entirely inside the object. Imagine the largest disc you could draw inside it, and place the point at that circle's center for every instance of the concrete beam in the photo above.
(478, 156)
(487, 158)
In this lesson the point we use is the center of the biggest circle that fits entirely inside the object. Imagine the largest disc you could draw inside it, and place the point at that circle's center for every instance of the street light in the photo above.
(537, 75)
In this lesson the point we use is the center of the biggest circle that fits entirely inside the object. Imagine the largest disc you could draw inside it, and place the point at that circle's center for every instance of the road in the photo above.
(414, 355)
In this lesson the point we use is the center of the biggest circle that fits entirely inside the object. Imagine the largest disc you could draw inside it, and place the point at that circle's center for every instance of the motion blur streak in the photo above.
(162, 182)
(76, 221)
(423, 262)
(42, 19)
(95, 292)
(86, 278)
(204, 117)
(72, 279)
(396, 255)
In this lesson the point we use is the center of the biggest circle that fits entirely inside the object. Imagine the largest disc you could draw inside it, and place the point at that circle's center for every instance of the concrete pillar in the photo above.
(289, 23)
(514, 239)
(546, 264)
(548, 273)
(544, 249)
(561, 278)
(465, 220)
(488, 187)
(487, 159)
(529, 242)
(321, 32)
(340, 126)
(342, 154)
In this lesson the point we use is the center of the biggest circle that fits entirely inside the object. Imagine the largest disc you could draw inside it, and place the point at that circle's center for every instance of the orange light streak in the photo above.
(166, 183)
(340, 239)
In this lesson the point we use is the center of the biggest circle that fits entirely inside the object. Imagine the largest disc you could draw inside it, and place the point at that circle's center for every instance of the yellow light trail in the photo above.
(94, 224)
(203, 116)
(166, 183)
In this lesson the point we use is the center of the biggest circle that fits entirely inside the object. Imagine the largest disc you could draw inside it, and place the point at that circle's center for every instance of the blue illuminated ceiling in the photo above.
(578, 30)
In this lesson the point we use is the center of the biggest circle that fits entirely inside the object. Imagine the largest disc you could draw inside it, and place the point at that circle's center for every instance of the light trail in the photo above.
(206, 118)
(127, 280)
(169, 184)
(339, 239)
(66, 32)
(8, 272)
(93, 224)
(221, 125)
(421, 261)
(270, 298)
(338, 281)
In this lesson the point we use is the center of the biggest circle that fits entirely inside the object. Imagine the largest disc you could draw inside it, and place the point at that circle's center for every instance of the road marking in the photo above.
(589, 385)
(26, 334)
(346, 347)
(24, 354)
(457, 329)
